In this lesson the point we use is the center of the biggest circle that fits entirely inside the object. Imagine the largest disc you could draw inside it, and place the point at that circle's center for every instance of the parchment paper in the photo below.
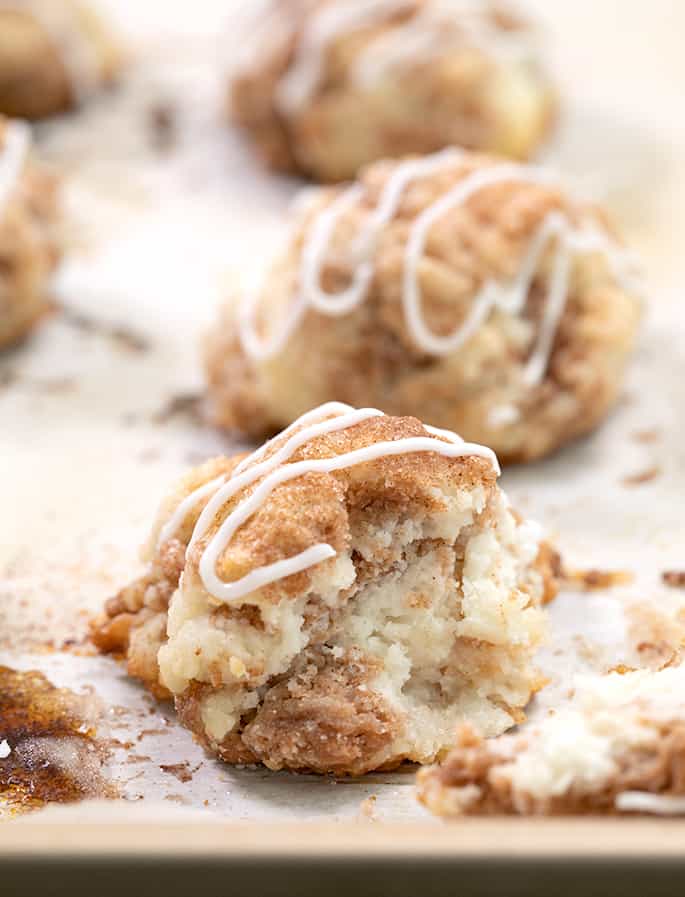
(95, 417)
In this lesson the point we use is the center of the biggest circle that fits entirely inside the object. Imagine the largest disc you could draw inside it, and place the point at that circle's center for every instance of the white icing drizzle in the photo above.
(503, 416)
(13, 154)
(325, 26)
(78, 54)
(310, 293)
(274, 471)
(645, 802)
(510, 297)
(189, 503)
(432, 32)
(436, 26)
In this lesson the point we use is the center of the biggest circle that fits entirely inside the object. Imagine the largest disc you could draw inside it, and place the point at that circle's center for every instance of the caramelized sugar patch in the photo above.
(49, 751)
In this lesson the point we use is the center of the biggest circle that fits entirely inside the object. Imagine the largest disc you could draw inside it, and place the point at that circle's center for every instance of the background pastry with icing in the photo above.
(54, 54)
(29, 242)
(475, 293)
(332, 85)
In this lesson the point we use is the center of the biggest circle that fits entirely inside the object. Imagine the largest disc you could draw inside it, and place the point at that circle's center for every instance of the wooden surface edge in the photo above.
(491, 839)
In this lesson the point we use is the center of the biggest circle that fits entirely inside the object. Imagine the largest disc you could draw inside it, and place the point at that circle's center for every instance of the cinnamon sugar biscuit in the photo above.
(339, 600)
(619, 747)
(29, 247)
(335, 84)
(53, 55)
(474, 293)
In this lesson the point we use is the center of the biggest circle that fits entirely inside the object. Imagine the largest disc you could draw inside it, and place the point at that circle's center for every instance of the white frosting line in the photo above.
(645, 802)
(329, 409)
(510, 297)
(437, 29)
(503, 416)
(324, 27)
(253, 471)
(189, 503)
(274, 471)
(437, 26)
(13, 154)
(78, 54)
(310, 294)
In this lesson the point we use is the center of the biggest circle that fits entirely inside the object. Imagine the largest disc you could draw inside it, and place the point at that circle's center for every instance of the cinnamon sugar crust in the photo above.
(619, 747)
(428, 614)
(369, 356)
(35, 77)
(441, 86)
(29, 249)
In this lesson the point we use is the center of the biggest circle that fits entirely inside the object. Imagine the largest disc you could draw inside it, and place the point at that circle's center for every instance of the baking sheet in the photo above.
(96, 421)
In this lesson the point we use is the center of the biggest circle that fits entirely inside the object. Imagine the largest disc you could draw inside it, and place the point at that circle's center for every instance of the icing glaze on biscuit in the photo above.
(433, 28)
(556, 229)
(274, 470)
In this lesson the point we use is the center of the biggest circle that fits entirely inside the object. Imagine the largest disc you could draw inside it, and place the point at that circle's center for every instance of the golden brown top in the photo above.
(321, 507)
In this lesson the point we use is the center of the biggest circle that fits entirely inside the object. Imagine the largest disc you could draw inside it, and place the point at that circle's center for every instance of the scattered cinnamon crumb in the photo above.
(645, 476)
(137, 758)
(52, 753)
(674, 578)
(7, 378)
(181, 771)
(149, 455)
(622, 669)
(118, 743)
(367, 809)
(121, 336)
(647, 436)
(594, 580)
(145, 732)
(56, 386)
(128, 339)
(182, 405)
(162, 124)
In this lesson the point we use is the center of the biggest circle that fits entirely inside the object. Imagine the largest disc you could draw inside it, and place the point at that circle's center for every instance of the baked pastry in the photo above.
(473, 293)
(339, 600)
(29, 247)
(618, 747)
(336, 84)
(53, 55)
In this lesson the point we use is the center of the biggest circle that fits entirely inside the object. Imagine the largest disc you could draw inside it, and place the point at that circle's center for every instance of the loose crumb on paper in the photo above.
(644, 476)
(367, 808)
(596, 580)
(647, 437)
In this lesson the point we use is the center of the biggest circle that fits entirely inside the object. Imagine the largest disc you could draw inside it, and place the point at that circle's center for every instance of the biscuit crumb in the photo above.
(367, 808)
(595, 580)
(645, 476)
(162, 122)
(180, 771)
